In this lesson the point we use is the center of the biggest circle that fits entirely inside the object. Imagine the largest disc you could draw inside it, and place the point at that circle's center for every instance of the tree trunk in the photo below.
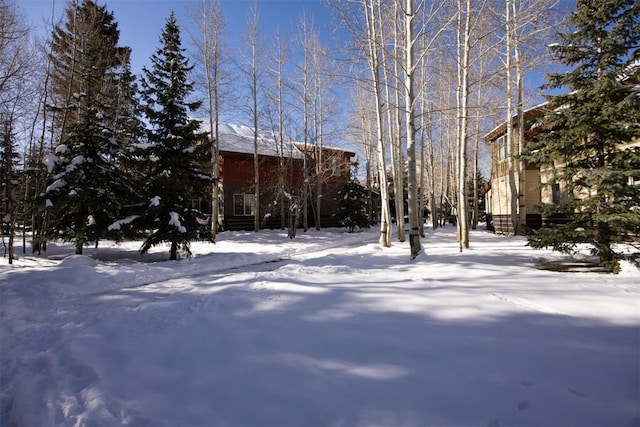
(512, 175)
(394, 121)
(414, 228)
(374, 68)
(463, 100)
(173, 252)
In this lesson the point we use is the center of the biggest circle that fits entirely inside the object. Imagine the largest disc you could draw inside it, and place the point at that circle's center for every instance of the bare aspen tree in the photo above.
(464, 51)
(373, 58)
(368, 43)
(314, 94)
(390, 22)
(209, 43)
(254, 72)
(412, 191)
(15, 53)
(305, 97)
(515, 217)
(411, 67)
(525, 22)
(427, 168)
(280, 58)
(35, 154)
(485, 74)
(319, 62)
(17, 59)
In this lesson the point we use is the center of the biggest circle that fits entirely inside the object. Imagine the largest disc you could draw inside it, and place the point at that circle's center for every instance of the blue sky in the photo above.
(141, 21)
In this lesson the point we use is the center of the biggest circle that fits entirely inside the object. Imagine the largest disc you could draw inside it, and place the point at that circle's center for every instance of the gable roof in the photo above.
(530, 114)
(325, 148)
(239, 139)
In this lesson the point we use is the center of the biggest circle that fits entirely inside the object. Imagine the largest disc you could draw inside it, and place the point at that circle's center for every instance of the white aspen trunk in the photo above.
(476, 209)
(281, 157)
(206, 64)
(319, 158)
(430, 164)
(256, 160)
(254, 95)
(513, 185)
(414, 228)
(522, 214)
(422, 185)
(463, 81)
(305, 126)
(36, 225)
(374, 66)
(394, 124)
(209, 23)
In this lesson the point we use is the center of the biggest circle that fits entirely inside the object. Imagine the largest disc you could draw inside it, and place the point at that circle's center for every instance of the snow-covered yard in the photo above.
(327, 329)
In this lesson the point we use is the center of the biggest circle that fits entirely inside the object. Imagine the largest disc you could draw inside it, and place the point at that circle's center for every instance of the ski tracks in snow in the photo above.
(526, 304)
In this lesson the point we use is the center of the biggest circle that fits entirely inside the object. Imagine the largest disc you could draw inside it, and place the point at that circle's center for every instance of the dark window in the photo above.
(555, 194)
(243, 204)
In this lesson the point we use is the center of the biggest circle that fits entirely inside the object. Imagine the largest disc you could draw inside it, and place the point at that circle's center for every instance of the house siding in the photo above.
(237, 178)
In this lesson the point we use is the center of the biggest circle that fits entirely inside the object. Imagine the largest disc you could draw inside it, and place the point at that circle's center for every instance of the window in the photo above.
(243, 204)
(502, 149)
(555, 194)
(334, 167)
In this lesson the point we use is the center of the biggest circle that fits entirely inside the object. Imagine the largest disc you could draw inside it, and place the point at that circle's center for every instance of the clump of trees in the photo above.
(85, 184)
(435, 75)
(108, 175)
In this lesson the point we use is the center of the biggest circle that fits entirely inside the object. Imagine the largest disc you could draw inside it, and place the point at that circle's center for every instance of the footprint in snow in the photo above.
(577, 393)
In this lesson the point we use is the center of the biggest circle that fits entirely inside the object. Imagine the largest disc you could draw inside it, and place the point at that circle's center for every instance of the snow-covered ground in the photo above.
(327, 329)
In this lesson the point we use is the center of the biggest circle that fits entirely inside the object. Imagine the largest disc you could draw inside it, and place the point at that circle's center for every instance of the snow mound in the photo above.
(78, 260)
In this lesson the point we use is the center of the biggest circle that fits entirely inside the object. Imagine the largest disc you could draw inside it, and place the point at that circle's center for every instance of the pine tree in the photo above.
(586, 134)
(85, 182)
(9, 159)
(176, 166)
(354, 209)
(130, 132)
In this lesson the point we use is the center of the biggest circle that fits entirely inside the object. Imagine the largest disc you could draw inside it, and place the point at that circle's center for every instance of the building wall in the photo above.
(237, 174)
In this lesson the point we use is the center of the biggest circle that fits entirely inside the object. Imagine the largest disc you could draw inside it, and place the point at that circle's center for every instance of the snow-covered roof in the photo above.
(240, 139)
(300, 145)
(532, 112)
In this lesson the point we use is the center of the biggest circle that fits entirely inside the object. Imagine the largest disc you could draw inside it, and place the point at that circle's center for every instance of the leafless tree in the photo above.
(280, 58)
(17, 90)
(527, 24)
(254, 69)
(212, 57)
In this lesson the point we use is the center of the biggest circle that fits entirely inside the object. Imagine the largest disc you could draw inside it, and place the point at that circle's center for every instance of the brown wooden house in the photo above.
(278, 191)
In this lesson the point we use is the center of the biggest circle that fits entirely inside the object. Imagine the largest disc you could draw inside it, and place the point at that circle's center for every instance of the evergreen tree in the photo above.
(9, 160)
(85, 183)
(586, 134)
(354, 209)
(131, 134)
(176, 166)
